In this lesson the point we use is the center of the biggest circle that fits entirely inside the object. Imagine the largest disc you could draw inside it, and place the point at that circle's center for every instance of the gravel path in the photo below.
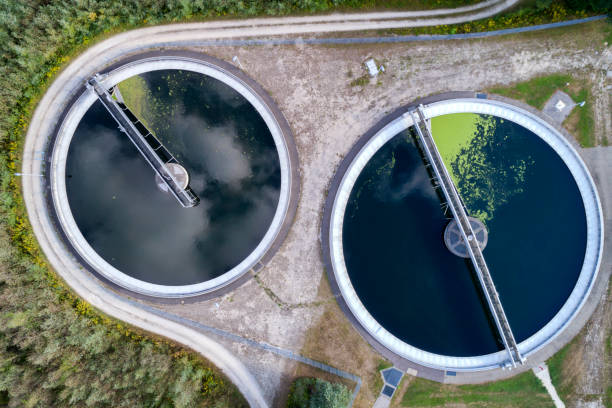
(541, 371)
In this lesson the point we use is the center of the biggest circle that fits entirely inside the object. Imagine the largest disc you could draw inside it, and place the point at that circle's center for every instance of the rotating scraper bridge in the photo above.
(417, 116)
(455, 204)
(149, 147)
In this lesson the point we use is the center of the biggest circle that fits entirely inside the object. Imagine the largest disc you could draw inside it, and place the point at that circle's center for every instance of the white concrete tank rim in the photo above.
(58, 185)
(578, 295)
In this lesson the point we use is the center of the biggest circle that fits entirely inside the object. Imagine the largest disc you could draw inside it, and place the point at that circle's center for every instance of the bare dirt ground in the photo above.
(290, 305)
(587, 370)
(594, 364)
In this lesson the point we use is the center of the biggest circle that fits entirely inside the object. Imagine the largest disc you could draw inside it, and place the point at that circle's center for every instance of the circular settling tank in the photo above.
(231, 151)
(399, 263)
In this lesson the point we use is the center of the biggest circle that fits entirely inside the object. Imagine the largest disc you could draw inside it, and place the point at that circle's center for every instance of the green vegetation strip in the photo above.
(584, 127)
(537, 91)
(529, 14)
(524, 390)
(567, 369)
(564, 385)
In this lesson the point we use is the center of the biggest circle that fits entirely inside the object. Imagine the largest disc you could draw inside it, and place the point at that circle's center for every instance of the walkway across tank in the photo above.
(163, 127)
(386, 221)
(463, 223)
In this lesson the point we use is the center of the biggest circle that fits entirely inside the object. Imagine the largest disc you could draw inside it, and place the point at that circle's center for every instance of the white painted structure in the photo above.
(58, 177)
(371, 67)
(590, 266)
(541, 371)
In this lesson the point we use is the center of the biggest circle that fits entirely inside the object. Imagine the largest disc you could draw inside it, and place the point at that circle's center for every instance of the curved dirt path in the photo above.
(51, 106)
(482, 9)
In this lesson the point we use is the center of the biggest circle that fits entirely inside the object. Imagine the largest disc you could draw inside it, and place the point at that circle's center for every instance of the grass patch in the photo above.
(361, 81)
(536, 91)
(334, 341)
(377, 382)
(383, 364)
(609, 344)
(567, 369)
(581, 120)
(524, 390)
(608, 31)
(565, 385)
(396, 400)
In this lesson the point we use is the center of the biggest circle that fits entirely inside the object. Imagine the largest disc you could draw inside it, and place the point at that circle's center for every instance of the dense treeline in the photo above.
(598, 6)
(54, 349)
(308, 392)
(540, 12)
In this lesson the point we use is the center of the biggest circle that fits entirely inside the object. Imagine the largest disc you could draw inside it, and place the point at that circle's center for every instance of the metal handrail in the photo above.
(455, 203)
(185, 196)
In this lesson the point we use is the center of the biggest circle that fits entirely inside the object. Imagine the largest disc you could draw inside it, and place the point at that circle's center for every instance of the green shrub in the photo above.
(361, 81)
(599, 6)
(317, 393)
(543, 4)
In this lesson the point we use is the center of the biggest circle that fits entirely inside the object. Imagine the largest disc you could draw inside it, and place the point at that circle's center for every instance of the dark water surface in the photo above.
(429, 298)
(233, 166)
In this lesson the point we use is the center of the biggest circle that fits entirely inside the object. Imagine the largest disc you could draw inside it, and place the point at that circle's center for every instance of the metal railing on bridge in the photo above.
(459, 213)
(147, 144)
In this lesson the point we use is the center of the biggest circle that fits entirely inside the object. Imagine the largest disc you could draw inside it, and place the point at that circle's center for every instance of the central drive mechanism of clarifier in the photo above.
(178, 172)
(454, 241)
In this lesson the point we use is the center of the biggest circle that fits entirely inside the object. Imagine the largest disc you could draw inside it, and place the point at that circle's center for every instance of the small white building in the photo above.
(371, 67)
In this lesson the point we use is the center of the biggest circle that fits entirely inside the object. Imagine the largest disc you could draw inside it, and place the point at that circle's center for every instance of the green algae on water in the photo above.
(479, 157)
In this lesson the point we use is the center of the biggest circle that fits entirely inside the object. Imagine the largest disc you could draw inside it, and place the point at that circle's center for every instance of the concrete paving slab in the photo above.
(559, 106)
(392, 376)
(382, 402)
(541, 371)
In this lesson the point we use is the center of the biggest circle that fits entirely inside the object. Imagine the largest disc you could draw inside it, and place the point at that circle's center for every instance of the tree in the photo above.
(317, 393)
